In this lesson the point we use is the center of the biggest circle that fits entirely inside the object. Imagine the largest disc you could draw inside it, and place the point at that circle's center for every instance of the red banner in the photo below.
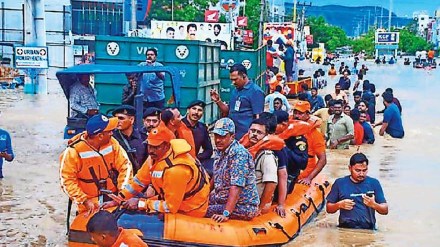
(309, 39)
(242, 21)
(248, 37)
(211, 15)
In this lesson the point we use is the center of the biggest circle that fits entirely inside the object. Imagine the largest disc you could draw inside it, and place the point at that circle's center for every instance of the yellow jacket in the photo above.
(81, 166)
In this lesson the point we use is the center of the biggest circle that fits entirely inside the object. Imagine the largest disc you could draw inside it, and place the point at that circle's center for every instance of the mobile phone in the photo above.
(370, 193)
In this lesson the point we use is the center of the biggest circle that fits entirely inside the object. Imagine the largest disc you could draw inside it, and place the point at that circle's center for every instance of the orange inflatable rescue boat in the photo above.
(302, 205)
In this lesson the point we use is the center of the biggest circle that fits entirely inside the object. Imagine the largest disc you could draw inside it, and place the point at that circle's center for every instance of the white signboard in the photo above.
(203, 31)
(27, 57)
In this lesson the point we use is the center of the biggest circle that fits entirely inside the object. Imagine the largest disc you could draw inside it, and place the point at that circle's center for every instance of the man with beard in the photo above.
(324, 113)
(152, 84)
(182, 185)
(315, 143)
(151, 119)
(128, 137)
(200, 132)
(339, 94)
(340, 128)
(172, 119)
(368, 130)
(357, 97)
(246, 102)
(357, 196)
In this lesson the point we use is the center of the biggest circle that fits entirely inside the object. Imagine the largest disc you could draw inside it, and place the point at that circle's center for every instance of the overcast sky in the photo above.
(400, 7)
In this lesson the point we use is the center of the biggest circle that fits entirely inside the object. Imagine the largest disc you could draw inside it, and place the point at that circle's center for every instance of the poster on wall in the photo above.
(203, 31)
(279, 33)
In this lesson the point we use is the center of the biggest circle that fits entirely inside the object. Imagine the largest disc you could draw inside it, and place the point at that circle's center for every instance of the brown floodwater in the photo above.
(33, 207)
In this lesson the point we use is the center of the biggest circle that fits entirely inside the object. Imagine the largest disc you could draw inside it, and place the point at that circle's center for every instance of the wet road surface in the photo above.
(33, 207)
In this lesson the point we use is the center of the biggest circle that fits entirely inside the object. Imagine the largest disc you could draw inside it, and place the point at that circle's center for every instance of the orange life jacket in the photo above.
(269, 142)
(191, 199)
(84, 170)
(295, 128)
(128, 238)
(183, 132)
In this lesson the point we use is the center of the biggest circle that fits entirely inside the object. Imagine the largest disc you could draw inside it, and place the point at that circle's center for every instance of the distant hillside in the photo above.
(352, 19)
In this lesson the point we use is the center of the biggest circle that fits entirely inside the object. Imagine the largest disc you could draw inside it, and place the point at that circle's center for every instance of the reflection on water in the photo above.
(32, 206)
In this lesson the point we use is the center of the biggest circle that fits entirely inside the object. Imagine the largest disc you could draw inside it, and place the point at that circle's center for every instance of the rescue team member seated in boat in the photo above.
(261, 146)
(357, 196)
(172, 119)
(315, 142)
(280, 151)
(104, 231)
(181, 183)
(94, 160)
(128, 137)
(235, 194)
(292, 132)
(199, 131)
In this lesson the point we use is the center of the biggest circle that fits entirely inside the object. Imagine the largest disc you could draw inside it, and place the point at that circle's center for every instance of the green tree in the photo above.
(365, 43)
(332, 36)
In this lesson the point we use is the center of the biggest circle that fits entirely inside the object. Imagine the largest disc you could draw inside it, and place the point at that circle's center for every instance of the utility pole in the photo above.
(133, 22)
(260, 26)
(389, 15)
(368, 25)
(381, 16)
(294, 10)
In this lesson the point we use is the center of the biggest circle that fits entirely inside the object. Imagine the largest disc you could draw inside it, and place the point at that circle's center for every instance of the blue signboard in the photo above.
(387, 37)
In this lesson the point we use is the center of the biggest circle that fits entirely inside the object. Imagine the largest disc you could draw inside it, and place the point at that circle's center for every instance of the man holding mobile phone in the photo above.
(6, 149)
(357, 196)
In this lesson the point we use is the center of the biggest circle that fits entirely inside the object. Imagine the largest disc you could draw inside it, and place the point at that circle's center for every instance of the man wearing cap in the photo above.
(181, 183)
(151, 119)
(315, 143)
(235, 194)
(129, 137)
(340, 128)
(199, 132)
(82, 98)
(392, 120)
(246, 103)
(92, 161)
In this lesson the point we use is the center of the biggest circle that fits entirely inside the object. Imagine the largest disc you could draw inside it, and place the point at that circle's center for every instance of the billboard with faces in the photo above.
(202, 31)
(278, 32)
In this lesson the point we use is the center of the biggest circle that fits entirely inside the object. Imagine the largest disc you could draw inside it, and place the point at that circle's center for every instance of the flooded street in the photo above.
(33, 207)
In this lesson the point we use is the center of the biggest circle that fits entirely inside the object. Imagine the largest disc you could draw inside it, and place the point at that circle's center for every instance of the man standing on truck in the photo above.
(152, 83)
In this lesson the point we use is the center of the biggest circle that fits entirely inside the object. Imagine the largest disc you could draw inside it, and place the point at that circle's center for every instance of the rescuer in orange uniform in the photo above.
(94, 160)
(181, 183)
(104, 231)
(315, 142)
